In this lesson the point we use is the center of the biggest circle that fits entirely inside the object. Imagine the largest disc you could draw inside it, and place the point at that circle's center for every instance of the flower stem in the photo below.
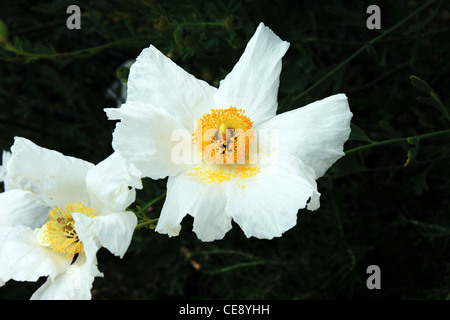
(149, 204)
(82, 52)
(141, 210)
(362, 48)
(380, 143)
(147, 223)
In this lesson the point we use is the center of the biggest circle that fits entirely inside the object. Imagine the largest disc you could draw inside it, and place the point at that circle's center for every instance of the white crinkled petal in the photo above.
(91, 243)
(53, 178)
(18, 208)
(22, 258)
(315, 133)
(156, 79)
(74, 284)
(205, 202)
(115, 231)
(253, 83)
(266, 204)
(147, 137)
(210, 221)
(109, 182)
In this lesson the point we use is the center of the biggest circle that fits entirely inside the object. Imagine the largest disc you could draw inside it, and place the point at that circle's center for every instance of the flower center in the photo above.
(59, 232)
(224, 136)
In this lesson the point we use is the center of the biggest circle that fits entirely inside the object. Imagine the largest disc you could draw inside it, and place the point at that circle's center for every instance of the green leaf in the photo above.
(420, 84)
(432, 98)
(358, 134)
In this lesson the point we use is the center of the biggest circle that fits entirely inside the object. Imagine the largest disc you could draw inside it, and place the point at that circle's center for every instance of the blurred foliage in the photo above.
(386, 204)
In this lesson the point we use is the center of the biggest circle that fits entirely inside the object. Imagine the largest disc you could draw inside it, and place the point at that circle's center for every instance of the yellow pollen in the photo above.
(224, 136)
(219, 174)
(59, 232)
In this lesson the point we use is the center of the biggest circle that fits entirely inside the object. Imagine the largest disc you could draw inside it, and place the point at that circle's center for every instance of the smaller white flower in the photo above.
(61, 213)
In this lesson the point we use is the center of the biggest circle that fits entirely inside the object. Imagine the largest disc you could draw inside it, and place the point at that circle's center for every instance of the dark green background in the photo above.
(374, 211)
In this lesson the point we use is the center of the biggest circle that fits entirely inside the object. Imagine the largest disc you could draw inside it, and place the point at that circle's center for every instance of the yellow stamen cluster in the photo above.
(224, 136)
(59, 232)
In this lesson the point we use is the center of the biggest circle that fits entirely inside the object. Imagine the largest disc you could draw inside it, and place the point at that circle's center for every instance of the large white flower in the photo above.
(261, 188)
(61, 212)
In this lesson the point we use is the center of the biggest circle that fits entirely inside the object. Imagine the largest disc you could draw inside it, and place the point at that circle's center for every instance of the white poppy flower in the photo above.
(261, 188)
(62, 211)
